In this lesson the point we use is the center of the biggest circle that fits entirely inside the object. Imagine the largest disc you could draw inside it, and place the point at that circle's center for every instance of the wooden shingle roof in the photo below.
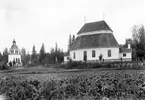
(124, 50)
(95, 41)
(94, 26)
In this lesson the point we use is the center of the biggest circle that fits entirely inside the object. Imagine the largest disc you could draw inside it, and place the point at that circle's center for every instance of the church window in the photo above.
(74, 55)
(16, 51)
(93, 53)
(124, 54)
(16, 60)
(85, 55)
(12, 51)
(109, 53)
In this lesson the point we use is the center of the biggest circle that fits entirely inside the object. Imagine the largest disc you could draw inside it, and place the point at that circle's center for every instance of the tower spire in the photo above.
(14, 42)
(85, 19)
(103, 16)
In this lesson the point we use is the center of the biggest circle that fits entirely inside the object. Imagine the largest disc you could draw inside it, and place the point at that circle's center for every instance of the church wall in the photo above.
(11, 57)
(79, 54)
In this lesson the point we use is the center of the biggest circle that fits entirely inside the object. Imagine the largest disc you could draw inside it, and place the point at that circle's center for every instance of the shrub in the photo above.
(32, 65)
(115, 85)
(3, 66)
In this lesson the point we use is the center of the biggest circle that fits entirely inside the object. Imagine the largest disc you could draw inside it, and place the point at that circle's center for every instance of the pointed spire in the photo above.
(14, 42)
(85, 19)
(103, 16)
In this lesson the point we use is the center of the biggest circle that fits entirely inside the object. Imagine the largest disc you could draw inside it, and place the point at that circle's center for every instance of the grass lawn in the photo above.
(43, 73)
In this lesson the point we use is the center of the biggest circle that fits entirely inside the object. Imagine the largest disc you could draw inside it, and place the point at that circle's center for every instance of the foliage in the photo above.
(34, 56)
(42, 55)
(71, 41)
(113, 65)
(25, 57)
(4, 57)
(112, 85)
(138, 45)
(3, 66)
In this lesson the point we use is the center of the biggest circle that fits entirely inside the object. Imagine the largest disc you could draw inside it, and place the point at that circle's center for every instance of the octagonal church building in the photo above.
(95, 39)
(14, 57)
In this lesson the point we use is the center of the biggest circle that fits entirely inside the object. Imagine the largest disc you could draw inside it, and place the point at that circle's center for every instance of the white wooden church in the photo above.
(95, 39)
(14, 56)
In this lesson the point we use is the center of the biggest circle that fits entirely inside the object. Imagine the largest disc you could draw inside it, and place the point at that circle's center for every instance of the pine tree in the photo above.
(73, 39)
(24, 56)
(56, 47)
(5, 55)
(70, 43)
(28, 58)
(34, 58)
(42, 55)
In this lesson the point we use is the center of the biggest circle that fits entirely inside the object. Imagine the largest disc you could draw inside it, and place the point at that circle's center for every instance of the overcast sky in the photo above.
(33, 22)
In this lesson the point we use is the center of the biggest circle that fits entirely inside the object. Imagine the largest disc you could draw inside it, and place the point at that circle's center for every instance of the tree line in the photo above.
(56, 55)
(42, 57)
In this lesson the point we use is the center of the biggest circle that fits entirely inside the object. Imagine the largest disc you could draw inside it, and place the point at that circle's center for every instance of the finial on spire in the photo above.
(85, 19)
(14, 41)
(103, 16)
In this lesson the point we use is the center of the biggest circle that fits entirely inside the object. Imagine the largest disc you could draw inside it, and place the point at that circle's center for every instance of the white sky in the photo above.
(33, 22)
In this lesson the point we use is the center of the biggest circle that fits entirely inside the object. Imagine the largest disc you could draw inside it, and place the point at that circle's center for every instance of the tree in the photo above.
(56, 47)
(23, 56)
(127, 41)
(34, 57)
(51, 50)
(69, 43)
(138, 34)
(73, 39)
(0, 56)
(5, 55)
(28, 58)
(42, 55)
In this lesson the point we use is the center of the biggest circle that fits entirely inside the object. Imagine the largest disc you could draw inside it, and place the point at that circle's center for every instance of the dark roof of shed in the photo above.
(124, 50)
(66, 53)
(95, 41)
(94, 26)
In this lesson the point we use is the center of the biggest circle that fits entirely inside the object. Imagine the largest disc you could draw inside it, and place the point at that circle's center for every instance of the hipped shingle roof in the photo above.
(103, 40)
(94, 26)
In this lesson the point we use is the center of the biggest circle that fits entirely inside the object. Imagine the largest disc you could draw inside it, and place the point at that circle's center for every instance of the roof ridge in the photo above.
(94, 22)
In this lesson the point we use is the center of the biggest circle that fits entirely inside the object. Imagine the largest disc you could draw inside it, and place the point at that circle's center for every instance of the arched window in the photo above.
(16, 51)
(124, 54)
(109, 53)
(85, 55)
(93, 53)
(12, 51)
(74, 55)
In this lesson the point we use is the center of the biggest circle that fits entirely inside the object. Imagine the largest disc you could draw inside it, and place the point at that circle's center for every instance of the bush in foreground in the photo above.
(115, 65)
(3, 66)
(118, 85)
